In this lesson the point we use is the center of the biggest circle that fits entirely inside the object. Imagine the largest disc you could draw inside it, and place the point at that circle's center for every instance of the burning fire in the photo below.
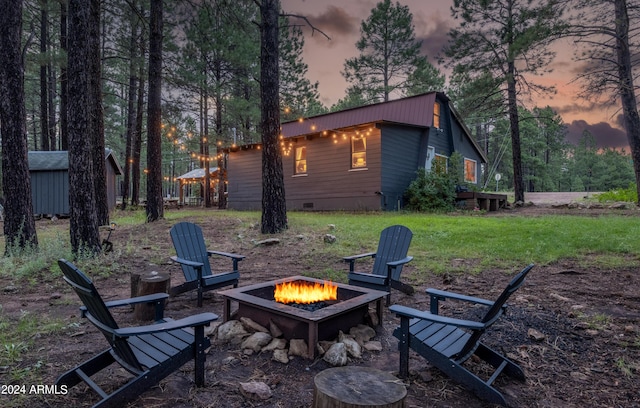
(305, 292)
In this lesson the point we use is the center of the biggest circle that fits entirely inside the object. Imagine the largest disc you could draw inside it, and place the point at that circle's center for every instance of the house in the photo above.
(49, 172)
(358, 159)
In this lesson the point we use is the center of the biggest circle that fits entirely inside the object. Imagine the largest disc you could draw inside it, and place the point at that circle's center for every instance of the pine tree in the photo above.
(503, 40)
(389, 54)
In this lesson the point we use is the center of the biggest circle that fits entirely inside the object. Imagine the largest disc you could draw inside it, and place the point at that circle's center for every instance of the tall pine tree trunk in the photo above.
(274, 205)
(44, 90)
(518, 181)
(155, 205)
(626, 87)
(85, 237)
(137, 136)
(97, 118)
(131, 111)
(64, 138)
(19, 224)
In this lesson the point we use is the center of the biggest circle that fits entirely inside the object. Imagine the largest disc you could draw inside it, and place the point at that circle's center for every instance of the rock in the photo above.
(280, 355)
(336, 355)
(329, 239)
(55, 295)
(231, 360)
(324, 345)
(10, 289)
(211, 329)
(255, 390)
(536, 335)
(298, 347)
(362, 333)
(342, 336)
(274, 329)
(331, 226)
(372, 346)
(231, 332)
(268, 242)
(353, 348)
(629, 329)
(275, 344)
(252, 326)
(561, 298)
(256, 341)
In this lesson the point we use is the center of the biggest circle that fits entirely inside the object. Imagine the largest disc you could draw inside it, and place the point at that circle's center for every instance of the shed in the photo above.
(358, 159)
(49, 172)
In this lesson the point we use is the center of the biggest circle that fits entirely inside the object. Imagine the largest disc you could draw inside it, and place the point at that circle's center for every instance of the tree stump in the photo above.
(147, 283)
(362, 387)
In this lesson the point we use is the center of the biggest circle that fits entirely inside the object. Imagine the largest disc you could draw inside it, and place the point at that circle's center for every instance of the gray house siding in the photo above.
(328, 184)
(402, 151)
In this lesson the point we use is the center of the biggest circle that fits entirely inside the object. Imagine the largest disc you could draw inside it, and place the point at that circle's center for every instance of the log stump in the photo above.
(147, 283)
(362, 387)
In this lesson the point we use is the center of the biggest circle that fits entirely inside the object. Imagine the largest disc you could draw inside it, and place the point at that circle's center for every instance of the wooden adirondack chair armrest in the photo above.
(395, 264)
(227, 254)
(436, 295)
(194, 264)
(202, 319)
(152, 298)
(352, 259)
(405, 312)
(234, 257)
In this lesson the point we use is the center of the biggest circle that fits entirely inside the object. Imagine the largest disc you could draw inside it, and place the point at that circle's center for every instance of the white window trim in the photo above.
(475, 170)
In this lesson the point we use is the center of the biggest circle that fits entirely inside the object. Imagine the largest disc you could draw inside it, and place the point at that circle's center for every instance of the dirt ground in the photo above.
(589, 319)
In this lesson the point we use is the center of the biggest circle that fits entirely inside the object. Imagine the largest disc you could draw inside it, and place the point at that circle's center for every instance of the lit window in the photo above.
(436, 115)
(440, 164)
(301, 160)
(358, 152)
(470, 171)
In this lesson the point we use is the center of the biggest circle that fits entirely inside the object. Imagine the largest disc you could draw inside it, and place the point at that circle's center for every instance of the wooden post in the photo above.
(361, 387)
(146, 284)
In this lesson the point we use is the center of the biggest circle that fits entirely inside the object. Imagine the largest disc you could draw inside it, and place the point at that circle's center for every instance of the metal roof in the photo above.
(415, 110)
(197, 174)
(59, 160)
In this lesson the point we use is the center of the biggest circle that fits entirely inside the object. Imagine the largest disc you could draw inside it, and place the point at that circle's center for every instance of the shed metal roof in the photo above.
(59, 160)
(196, 173)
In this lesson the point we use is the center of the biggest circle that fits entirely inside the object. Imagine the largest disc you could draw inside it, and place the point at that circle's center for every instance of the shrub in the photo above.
(628, 194)
(431, 191)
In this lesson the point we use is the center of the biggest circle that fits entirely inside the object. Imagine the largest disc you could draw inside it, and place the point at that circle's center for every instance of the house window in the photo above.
(470, 171)
(358, 152)
(300, 160)
(440, 164)
(436, 115)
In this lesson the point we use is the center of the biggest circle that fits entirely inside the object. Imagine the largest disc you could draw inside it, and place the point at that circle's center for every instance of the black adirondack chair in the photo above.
(150, 353)
(389, 259)
(193, 257)
(447, 342)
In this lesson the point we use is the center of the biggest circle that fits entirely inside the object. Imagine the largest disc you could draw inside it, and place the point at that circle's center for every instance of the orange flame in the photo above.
(305, 292)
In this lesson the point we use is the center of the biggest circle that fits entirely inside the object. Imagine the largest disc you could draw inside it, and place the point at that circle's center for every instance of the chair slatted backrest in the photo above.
(393, 246)
(98, 314)
(494, 312)
(189, 244)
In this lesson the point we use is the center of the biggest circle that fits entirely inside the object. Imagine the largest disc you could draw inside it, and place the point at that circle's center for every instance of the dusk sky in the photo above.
(340, 20)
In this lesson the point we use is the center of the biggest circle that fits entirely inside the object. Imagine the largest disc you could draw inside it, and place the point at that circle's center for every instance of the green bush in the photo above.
(629, 194)
(431, 191)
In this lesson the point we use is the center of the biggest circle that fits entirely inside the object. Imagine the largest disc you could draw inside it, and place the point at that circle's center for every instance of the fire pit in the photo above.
(349, 309)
